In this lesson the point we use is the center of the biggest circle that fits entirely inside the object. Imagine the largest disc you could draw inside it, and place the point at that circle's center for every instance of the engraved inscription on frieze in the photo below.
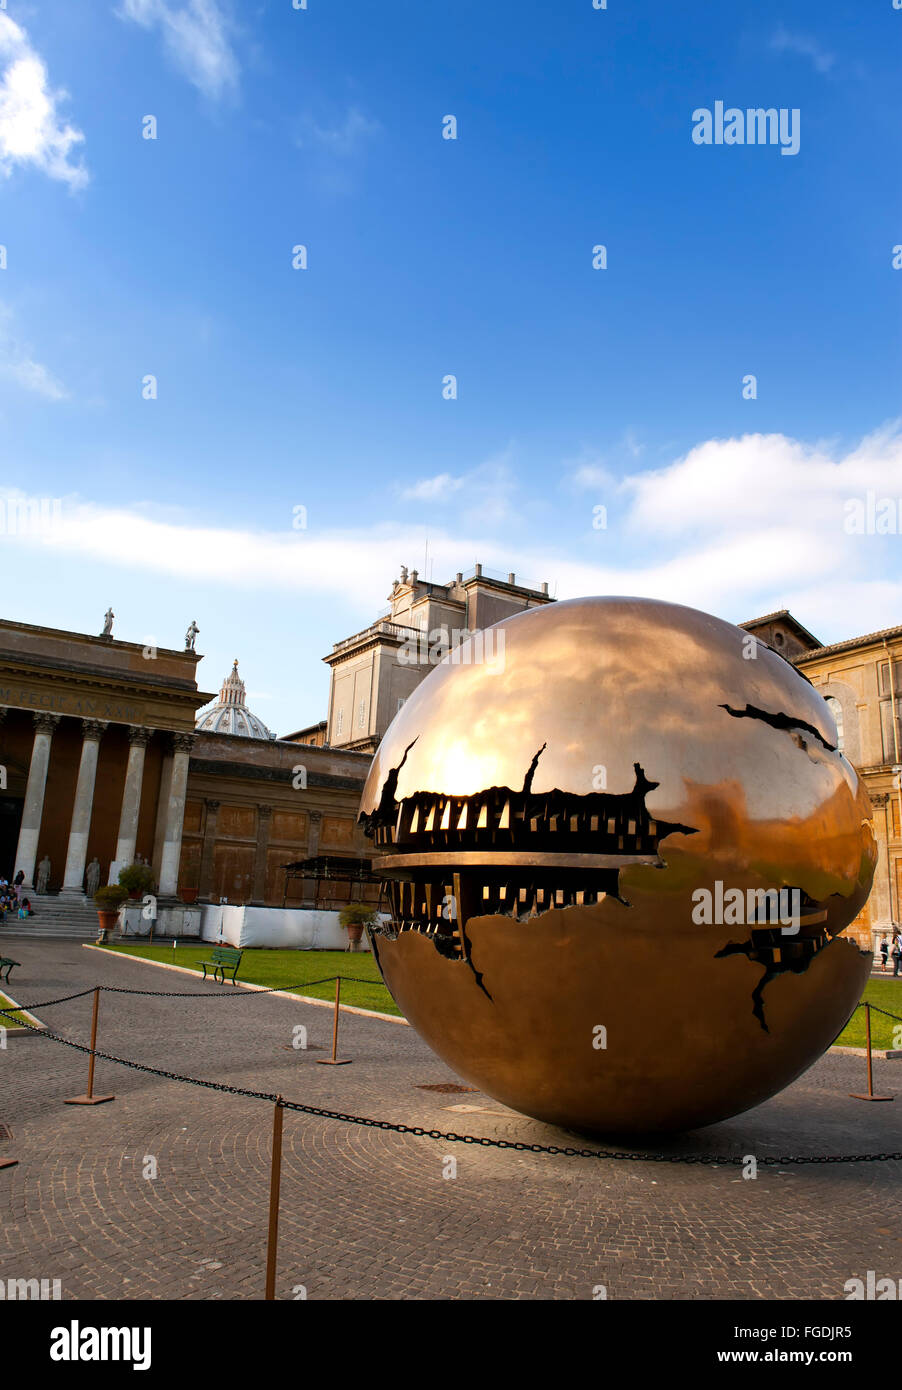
(67, 702)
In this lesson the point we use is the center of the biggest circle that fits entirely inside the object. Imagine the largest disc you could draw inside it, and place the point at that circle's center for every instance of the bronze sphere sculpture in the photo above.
(620, 856)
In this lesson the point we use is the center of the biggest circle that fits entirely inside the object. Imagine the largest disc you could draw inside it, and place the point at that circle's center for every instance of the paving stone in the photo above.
(366, 1213)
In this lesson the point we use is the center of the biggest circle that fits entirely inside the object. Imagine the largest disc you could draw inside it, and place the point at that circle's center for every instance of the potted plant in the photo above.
(354, 917)
(108, 901)
(136, 879)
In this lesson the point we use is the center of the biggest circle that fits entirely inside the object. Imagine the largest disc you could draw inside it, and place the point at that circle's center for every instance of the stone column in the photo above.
(264, 821)
(205, 877)
(138, 739)
(316, 820)
(27, 848)
(175, 815)
(74, 876)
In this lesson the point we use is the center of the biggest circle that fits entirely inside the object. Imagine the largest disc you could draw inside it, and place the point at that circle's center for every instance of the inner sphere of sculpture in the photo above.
(622, 848)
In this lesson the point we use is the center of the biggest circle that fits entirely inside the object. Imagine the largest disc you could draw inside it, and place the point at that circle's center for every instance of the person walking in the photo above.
(896, 954)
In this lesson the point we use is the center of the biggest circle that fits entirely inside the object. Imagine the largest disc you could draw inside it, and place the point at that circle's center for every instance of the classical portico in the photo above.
(95, 739)
(108, 757)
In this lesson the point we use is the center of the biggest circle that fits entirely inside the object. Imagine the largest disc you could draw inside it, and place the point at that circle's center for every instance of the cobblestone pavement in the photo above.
(367, 1213)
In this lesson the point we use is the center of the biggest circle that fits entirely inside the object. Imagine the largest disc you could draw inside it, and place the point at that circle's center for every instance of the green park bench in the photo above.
(223, 959)
(7, 965)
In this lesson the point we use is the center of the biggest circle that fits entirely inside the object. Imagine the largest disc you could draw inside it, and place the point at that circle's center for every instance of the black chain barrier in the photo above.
(874, 1009)
(242, 992)
(708, 1160)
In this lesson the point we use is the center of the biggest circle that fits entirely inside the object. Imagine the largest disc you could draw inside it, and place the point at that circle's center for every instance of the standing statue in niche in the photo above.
(42, 878)
(92, 877)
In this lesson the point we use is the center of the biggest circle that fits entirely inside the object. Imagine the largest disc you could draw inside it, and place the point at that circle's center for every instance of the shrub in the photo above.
(358, 915)
(111, 897)
(136, 878)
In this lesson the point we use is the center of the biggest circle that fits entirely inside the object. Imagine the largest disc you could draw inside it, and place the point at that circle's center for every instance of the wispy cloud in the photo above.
(335, 151)
(196, 38)
(805, 46)
(343, 140)
(438, 489)
(19, 366)
(483, 496)
(32, 130)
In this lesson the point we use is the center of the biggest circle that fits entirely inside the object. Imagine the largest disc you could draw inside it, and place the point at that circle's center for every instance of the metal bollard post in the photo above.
(89, 1097)
(335, 1061)
(275, 1182)
(870, 1095)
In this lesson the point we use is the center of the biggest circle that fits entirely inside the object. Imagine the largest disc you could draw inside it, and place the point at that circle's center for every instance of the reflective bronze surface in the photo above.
(544, 824)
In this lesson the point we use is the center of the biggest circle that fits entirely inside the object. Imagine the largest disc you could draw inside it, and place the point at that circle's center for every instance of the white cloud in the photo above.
(483, 495)
(437, 489)
(591, 477)
(18, 365)
(31, 128)
(805, 46)
(735, 485)
(195, 38)
(343, 140)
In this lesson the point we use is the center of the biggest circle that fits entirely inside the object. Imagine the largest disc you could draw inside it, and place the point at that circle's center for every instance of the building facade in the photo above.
(861, 680)
(377, 669)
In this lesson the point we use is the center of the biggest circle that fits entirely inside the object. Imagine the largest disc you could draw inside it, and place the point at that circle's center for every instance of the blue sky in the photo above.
(322, 388)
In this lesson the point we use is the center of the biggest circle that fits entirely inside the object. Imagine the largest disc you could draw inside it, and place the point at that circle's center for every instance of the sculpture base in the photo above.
(88, 1100)
(333, 1061)
(855, 1096)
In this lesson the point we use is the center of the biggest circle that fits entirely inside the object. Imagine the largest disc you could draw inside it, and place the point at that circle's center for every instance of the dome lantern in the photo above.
(230, 714)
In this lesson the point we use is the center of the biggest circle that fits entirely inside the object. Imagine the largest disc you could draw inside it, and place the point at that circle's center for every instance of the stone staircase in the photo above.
(69, 919)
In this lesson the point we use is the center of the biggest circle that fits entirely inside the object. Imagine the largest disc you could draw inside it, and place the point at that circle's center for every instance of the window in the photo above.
(836, 710)
(339, 721)
(887, 687)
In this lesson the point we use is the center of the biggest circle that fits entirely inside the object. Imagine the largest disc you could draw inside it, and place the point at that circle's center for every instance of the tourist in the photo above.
(18, 882)
(897, 954)
(884, 952)
(25, 909)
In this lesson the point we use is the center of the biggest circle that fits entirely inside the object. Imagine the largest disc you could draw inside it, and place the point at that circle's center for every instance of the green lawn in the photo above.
(4, 1021)
(886, 994)
(281, 969)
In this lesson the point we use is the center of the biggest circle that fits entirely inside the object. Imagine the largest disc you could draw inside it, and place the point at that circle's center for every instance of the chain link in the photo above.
(46, 1003)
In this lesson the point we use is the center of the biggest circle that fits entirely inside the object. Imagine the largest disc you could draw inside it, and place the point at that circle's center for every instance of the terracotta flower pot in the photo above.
(107, 917)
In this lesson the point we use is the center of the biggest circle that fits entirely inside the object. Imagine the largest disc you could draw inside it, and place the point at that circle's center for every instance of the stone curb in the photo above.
(14, 1031)
(246, 984)
(883, 1053)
